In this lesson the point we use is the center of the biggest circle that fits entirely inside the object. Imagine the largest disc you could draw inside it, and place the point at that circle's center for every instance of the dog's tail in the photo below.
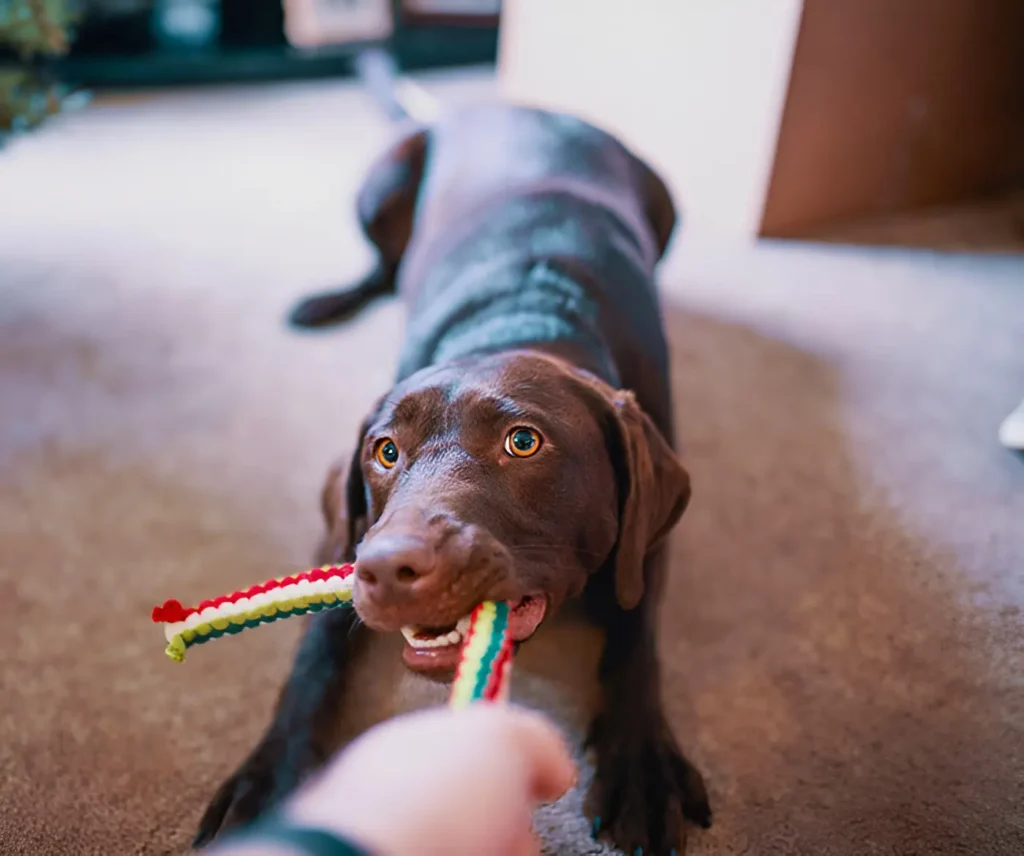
(402, 101)
(400, 98)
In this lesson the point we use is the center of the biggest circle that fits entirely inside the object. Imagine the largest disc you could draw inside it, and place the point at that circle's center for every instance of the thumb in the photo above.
(550, 768)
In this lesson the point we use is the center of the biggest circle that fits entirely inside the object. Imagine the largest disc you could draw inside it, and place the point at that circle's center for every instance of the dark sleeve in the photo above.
(301, 840)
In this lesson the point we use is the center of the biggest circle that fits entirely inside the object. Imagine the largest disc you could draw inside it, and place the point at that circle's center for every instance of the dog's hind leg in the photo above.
(385, 207)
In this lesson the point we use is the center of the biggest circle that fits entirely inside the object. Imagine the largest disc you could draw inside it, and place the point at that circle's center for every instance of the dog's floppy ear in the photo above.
(654, 490)
(343, 503)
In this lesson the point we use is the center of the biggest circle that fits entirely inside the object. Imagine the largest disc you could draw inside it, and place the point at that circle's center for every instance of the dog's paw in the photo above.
(642, 796)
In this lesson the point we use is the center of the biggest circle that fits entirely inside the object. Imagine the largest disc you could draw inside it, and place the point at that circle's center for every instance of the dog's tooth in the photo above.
(463, 626)
(452, 637)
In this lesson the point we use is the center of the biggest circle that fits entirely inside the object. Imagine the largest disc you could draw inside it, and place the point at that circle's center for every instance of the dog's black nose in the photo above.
(394, 567)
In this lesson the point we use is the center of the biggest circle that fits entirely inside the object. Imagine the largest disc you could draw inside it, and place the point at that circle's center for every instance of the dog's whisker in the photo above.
(355, 624)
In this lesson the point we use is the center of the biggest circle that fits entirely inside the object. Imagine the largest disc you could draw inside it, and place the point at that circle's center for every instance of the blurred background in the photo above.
(843, 639)
(781, 118)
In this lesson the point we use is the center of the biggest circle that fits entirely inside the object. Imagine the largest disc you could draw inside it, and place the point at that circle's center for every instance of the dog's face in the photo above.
(513, 477)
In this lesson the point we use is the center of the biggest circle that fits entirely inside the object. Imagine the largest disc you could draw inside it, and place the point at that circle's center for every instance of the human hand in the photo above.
(460, 783)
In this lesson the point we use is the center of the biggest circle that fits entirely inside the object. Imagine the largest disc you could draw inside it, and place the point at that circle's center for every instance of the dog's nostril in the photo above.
(405, 574)
(392, 565)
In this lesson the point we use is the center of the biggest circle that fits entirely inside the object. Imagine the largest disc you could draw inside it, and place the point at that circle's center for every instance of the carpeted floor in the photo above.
(843, 640)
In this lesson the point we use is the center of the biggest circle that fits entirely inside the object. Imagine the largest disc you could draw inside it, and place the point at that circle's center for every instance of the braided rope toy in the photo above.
(484, 666)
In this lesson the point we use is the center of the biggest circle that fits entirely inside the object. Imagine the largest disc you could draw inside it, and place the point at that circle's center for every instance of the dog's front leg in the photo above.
(298, 739)
(644, 788)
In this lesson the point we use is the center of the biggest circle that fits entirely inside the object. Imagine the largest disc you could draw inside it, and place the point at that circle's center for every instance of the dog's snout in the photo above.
(394, 567)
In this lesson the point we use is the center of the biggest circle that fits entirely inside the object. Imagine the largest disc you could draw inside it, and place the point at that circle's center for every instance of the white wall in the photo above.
(695, 86)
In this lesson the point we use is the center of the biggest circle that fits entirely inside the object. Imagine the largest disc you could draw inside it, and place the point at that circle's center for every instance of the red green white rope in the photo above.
(484, 667)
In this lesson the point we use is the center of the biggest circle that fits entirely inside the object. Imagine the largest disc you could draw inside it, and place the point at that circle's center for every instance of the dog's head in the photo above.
(513, 477)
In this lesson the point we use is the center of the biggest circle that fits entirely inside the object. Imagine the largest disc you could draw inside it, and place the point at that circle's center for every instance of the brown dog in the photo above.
(509, 461)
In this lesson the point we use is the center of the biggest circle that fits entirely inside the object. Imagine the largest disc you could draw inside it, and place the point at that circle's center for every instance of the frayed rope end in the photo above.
(176, 649)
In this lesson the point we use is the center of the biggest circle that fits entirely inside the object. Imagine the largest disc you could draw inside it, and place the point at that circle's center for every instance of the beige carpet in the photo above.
(843, 640)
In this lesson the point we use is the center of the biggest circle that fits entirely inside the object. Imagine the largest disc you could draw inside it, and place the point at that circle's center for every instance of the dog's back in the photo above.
(481, 157)
(531, 227)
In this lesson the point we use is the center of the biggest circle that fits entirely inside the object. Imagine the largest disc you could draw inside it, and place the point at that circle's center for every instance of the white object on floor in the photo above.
(1011, 432)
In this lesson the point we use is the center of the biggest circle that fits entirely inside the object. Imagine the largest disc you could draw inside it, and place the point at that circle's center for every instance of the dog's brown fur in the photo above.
(524, 245)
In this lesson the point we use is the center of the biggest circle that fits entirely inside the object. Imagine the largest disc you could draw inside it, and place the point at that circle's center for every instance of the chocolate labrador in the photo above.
(525, 453)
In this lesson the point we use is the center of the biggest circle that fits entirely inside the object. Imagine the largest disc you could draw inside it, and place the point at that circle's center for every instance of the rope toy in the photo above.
(484, 666)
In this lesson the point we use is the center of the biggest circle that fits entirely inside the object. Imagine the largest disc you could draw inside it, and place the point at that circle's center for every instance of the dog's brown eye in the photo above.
(522, 442)
(386, 453)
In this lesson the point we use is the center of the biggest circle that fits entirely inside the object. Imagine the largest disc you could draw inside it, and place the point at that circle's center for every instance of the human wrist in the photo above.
(280, 835)
(356, 817)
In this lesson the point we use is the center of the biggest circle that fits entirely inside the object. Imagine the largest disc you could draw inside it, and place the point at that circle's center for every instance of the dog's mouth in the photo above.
(437, 649)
